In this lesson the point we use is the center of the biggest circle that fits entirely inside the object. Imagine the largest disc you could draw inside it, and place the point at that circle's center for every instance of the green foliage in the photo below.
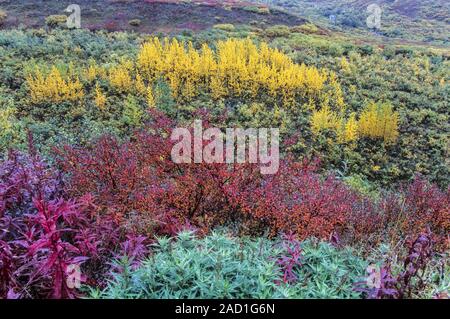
(56, 20)
(328, 272)
(219, 266)
(132, 112)
(362, 185)
(11, 130)
(418, 93)
(213, 267)
(225, 27)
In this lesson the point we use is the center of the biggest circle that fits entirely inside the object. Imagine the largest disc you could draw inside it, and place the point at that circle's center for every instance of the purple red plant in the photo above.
(44, 236)
(418, 207)
(290, 258)
(138, 185)
(409, 280)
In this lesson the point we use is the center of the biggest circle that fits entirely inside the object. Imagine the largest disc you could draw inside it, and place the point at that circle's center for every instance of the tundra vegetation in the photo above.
(92, 205)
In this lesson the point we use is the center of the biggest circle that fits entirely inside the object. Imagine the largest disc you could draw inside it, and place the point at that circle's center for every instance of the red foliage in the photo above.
(416, 208)
(114, 192)
(410, 280)
(290, 258)
(137, 181)
(297, 199)
(42, 233)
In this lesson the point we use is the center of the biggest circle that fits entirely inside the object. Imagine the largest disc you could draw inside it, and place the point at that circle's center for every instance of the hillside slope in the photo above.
(153, 16)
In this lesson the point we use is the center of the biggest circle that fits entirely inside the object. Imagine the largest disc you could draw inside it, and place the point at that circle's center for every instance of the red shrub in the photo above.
(137, 183)
(418, 207)
(297, 199)
(42, 232)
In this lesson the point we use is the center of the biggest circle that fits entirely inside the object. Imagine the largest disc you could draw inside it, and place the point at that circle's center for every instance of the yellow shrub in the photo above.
(53, 87)
(348, 131)
(379, 121)
(140, 86)
(100, 98)
(120, 78)
(238, 68)
(93, 71)
(345, 65)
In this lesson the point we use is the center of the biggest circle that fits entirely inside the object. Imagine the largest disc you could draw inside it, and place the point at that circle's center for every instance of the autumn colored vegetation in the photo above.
(92, 205)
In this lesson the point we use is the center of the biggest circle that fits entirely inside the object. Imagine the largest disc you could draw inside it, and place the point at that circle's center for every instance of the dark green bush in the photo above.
(56, 20)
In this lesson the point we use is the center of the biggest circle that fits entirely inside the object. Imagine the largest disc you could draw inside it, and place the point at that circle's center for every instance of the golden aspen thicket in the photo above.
(53, 87)
(100, 98)
(324, 119)
(375, 121)
(379, 120)
(238, 68)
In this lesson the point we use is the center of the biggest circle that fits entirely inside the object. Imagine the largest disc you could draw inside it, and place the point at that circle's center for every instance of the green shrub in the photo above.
(132, 112)
(11, 131)
(213, 267)
(135, 22)
(225, 27)
(360, 184)
(328, 272)
(219, 266)
(56, 20)
(278, 31)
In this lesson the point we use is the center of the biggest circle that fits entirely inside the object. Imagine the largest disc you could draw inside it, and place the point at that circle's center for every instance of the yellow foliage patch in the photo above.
(53, 87)
(238, 68)
(379, 121)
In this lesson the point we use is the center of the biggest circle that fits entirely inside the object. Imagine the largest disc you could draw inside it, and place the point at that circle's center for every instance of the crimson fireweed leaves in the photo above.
(290, 258)
(138, 185)
(44, 236)
(50, 255)
(416, 208)
(409, 280)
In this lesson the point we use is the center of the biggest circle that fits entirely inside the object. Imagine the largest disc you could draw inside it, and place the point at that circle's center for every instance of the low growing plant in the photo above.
(220, 266)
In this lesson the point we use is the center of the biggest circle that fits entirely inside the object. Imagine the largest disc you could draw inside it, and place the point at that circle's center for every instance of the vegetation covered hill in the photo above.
(145, 16)
(410, 20)
(87, 180)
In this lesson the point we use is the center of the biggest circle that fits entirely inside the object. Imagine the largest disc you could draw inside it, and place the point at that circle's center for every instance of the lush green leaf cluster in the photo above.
(219, 266)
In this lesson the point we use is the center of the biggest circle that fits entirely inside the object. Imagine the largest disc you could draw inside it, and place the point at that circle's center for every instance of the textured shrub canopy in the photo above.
(87, 184)
(219, 266)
